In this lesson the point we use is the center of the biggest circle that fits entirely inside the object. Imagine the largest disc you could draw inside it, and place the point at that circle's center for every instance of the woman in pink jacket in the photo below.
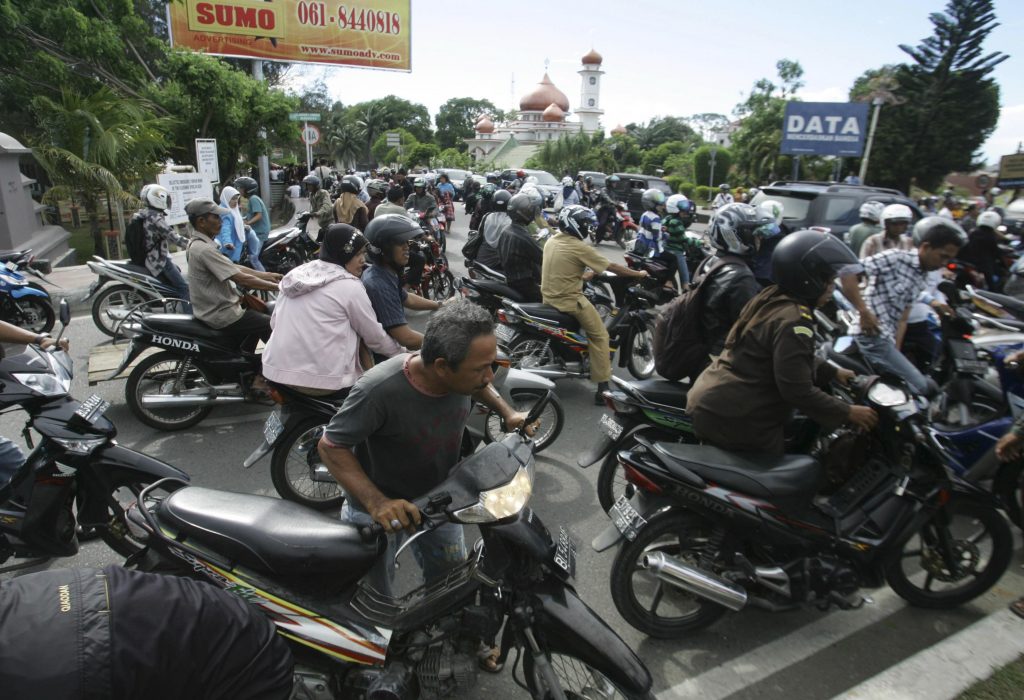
(320, 318)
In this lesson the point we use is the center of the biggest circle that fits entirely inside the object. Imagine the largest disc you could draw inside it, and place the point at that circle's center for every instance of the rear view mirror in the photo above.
(64, 312)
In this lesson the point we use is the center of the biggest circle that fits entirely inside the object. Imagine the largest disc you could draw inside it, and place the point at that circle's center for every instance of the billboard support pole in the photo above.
(309, 148)
(263, 162)
(796, 168)
(871, 138)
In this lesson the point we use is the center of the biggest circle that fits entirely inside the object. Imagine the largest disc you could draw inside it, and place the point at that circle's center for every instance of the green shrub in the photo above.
(705, 193)
(687, 188)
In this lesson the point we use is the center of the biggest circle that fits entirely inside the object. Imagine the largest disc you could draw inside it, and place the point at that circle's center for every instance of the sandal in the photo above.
(487, 659)
(1017, 607)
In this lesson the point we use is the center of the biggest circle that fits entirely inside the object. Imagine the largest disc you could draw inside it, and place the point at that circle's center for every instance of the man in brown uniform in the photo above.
(742, 401)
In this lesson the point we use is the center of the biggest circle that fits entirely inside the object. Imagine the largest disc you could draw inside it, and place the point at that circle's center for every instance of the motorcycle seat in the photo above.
(550, 313)
(267, 534)
(497, 289)
(137, 269)
(662, 391)
(789, 481)
(184, 324)
(489, 272)
(1014, 306)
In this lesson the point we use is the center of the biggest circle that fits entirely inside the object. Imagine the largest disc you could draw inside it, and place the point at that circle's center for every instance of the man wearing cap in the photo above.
(215, 301)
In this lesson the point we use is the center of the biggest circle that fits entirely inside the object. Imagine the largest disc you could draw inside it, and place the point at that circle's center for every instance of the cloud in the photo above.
(830, 94)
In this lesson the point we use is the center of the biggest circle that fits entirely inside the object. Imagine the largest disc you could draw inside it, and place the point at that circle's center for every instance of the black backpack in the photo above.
(135, 240)
(472, 247)
(680, 348)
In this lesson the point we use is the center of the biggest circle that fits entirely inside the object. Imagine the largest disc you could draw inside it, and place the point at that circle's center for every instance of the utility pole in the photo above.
(711, 176)
(263, 162)
(877, 102)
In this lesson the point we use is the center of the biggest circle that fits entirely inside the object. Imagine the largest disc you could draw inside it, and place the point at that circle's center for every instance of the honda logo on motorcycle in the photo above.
(176, 343)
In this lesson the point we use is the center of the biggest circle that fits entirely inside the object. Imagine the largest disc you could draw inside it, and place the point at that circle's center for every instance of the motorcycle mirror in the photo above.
(64, 312)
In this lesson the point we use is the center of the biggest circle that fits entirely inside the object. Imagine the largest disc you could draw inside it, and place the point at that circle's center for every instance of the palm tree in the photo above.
(97, 144)
(345, 143)
(372, 120)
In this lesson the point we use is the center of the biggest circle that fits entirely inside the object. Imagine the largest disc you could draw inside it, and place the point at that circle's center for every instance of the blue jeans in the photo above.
(436, 553)
(253, 241)
(684, 271)
(882, 355)
(11, 457)
(171, 276)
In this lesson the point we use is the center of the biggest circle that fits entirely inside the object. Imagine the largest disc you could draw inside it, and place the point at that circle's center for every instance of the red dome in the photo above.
(592, 59)
(545, 94)
(485, 125)
(553, 113)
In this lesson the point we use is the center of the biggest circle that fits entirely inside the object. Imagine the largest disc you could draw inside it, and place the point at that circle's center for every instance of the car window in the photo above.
(663, 186)
(543, 177)
(841, 211)
(794, 207)
(638, 184)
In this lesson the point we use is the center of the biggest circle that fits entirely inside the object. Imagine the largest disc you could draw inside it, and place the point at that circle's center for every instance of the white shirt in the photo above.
(294, 191)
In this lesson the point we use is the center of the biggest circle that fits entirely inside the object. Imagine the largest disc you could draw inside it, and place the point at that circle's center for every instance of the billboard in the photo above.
(1011, 171)
(824, 128)
(376, 35)
(184, 187)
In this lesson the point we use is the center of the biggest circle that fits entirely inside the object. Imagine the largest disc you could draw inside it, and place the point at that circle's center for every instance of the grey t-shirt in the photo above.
(406, 439)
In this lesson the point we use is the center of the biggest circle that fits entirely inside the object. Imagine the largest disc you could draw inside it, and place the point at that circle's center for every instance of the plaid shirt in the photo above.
(895, 279)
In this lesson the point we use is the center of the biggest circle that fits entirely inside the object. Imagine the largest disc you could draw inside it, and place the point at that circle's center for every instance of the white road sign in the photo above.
(184, 187)
(206, 158)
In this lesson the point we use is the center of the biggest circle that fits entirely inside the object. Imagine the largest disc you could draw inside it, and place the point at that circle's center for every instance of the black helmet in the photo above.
(939, 231)
(311, 181)
(351, 183)
(523, 207)
(588, 180)
(488, 190)
(577, 221)
(499, 201)
(804, 262)
(387, 230)
(246, 185)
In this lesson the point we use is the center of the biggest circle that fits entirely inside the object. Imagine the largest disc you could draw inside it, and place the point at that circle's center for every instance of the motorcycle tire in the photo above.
(441, 286)
(1009, 486)
(577, 679)
(157, 372)
(611, 481)
(551, 420)
(924, 548)
(117, 296)
(640, 353)
(126, 488)
(527, 351)
(283, 263)
(33, 314)
(294, 456)
(677, 533)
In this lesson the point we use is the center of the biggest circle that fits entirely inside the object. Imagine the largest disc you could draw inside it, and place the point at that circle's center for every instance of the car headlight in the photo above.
(502, 502)
(886, 395)
(80, 447)
(43, 384)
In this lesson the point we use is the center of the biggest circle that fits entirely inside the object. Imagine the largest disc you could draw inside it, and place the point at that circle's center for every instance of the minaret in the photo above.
(590, 110)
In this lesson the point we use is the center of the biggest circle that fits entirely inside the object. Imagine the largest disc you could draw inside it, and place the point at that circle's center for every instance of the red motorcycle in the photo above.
(619, 226)
(437, 281)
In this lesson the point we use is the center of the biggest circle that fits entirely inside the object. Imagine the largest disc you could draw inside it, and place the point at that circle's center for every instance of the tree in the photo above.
(421, 154)
(756, 142)
(456, 118)
(662, 130)
(702, 165)
(655, 159)
(389, 154)
(451, 158)
(373, 118)
(409, 115)
(707, 123)
(345, 144)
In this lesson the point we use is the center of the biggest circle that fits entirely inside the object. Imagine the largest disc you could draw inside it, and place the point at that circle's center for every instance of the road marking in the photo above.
(743, 671)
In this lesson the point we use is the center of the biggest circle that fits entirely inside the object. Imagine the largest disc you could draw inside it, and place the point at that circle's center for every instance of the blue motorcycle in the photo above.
(24, 304)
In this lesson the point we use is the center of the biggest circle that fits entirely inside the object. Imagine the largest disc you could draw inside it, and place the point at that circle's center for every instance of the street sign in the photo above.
(310, 135)
(304, 116)
(1011, 171)
(206, 159)
(393, 138)
(184, 187)
(824, 128)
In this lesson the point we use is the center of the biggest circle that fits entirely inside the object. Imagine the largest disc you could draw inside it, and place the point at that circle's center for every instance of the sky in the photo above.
(665, 57)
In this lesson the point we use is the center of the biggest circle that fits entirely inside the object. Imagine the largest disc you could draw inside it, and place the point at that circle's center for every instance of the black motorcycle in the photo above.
(287, 249)
(77, 477)
(197, 367)
(312, 575)
(707, 530)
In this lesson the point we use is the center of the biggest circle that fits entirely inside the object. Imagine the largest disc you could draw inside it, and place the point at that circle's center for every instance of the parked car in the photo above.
(631, 186)
(833, 206)
(546, 182)
(457, 178)
(596, 177)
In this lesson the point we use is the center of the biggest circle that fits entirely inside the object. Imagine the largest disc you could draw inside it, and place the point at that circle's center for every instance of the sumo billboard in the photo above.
(824, 128)
(370, 35)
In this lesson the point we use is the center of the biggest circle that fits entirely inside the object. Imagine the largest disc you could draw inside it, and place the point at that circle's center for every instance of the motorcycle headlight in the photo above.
(887, 396)
(80, 447)
(44, 384)
(500, 503)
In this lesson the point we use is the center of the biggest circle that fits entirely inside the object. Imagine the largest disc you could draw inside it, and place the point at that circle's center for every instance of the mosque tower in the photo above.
(589, 111)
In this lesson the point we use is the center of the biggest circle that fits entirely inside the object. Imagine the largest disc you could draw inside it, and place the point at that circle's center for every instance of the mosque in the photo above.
(543, 116)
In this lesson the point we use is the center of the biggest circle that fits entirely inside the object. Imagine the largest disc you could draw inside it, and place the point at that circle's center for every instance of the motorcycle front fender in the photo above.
(519, 380)
(600, 449)
(961, 491)
(134, 350)
(27, 291)
(565, 624)
(646, 504)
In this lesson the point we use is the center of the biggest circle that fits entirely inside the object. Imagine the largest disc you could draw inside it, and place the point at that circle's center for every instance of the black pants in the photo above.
(529, 290)
(251, 328)
(414, 272)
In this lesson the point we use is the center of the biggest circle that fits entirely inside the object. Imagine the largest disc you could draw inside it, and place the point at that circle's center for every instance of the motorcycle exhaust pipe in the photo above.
(674, 572)
(172, 401)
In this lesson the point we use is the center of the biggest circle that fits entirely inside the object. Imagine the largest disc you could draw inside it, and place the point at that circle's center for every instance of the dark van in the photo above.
(630, 188)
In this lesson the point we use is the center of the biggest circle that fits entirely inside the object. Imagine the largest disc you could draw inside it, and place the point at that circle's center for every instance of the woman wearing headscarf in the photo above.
(446, 198)
(234, 234)
(322, 314)
(348, 208)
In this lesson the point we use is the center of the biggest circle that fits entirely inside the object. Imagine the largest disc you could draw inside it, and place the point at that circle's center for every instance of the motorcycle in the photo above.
(313, 576)
(437, 281)
(487, 287)
(294, 428)
(25, 263)
(133, 294)
(197, 368)
(23, 303)
(707, 531)
(619, 226)
(286, 249)
(77, 476)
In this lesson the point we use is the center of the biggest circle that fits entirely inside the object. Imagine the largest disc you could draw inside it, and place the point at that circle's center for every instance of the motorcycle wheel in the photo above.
(611, 482)
(577, 679)
(653, 606)
(527, 351)
(117, 299)
(955, 557)
(551, 419)
(1009, 486)
(125, 490)
(285, 263)
(157, 374)
(640, 357)
(34, 314)
(293, 459)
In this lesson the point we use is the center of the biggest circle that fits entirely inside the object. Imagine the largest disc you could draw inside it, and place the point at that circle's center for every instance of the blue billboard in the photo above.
(824, 128)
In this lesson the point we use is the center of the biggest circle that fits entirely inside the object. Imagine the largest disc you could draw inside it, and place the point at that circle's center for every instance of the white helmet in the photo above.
(156, 196)
(995, 191)
(566, 181)
(772, 209)
(989, 218)
(897, 212)
(676, 202)
(872, 211)
(531, 180)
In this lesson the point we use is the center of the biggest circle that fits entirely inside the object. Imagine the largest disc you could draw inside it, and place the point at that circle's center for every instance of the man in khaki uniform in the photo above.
(566, 258)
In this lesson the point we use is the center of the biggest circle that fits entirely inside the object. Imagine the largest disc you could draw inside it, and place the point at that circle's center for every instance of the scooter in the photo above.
(23, 303)
(286, 249)
(316, 578)
(77, 476)
(124, 290)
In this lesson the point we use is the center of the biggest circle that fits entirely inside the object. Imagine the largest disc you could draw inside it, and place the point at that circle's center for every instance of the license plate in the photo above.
(611, 427)
(565, 552)
(272, 428)
(92, 409)
(504, 332)
(626, 519)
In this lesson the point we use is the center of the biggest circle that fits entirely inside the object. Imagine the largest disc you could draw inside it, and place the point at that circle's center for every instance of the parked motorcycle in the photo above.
(25, 263)
(197, 367)
(122, 289)
(313, 576)
(23, 303)
(294, 428)
(708, 531)
(77, 476)
(286, 249)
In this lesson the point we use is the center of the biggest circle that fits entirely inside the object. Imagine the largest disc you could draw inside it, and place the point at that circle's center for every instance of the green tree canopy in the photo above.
(422, 154)
(456, 118)
(389, 154)
(661, 130)
(702, 165)
(755, 144)
(655, 158)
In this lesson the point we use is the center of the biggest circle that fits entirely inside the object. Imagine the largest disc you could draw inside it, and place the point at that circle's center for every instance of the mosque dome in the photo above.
(619, 130)
(545, 94)
(553, 113)
(485, 125)
(592, 59)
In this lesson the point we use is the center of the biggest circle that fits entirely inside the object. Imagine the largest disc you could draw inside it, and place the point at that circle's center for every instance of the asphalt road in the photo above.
(753, 654)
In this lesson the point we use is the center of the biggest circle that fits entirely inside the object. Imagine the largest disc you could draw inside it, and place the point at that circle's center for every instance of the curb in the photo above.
(945, 670)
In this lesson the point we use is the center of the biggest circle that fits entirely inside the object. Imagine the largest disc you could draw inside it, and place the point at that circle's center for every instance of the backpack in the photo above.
(680, 349)
(135, 241)
(472, 247)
